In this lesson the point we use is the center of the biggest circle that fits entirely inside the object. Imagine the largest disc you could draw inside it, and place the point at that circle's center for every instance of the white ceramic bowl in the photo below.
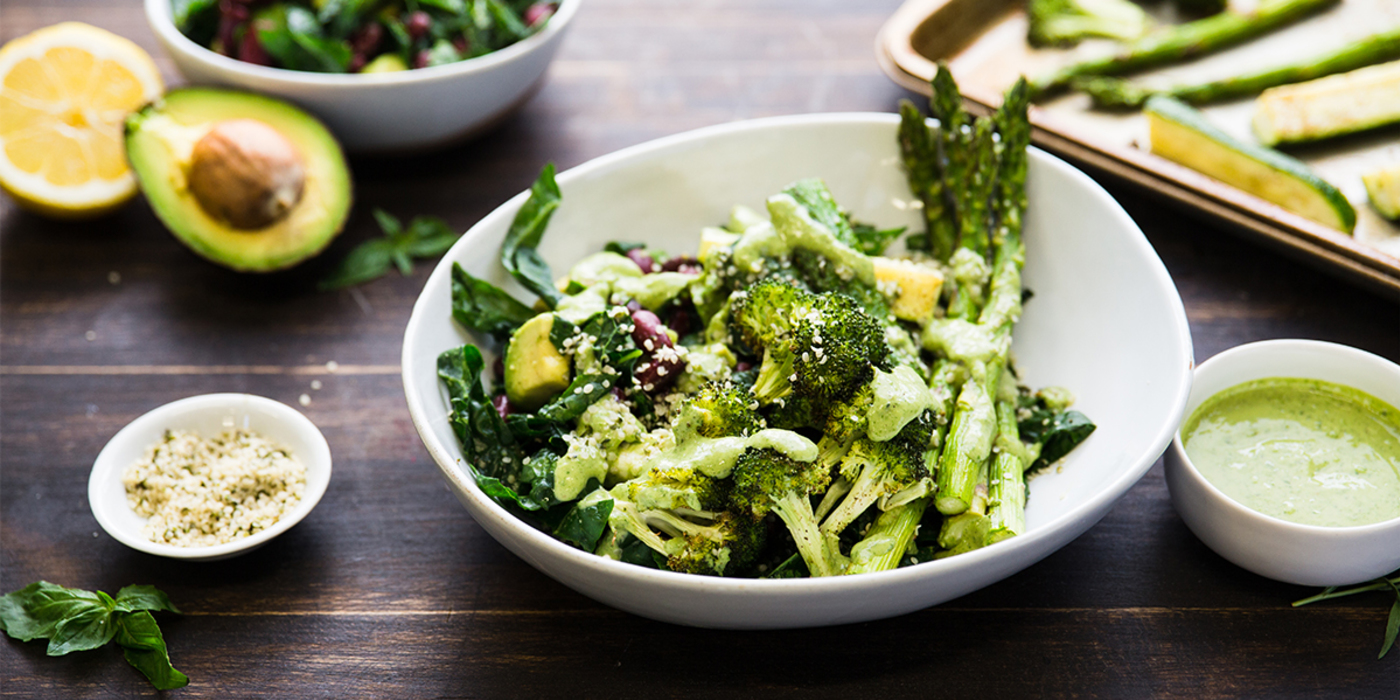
(1307, 555)
(208, 415)
(1105, 321)
(385, 112)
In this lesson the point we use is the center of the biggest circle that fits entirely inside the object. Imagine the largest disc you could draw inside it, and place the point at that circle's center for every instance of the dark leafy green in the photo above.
(518, 254)
(482, 306)
(293, 36)
(585, 524)
(76, 620)
(615, 348)
(1057, 432)
(813, 194)
(197, 19)
(425, 237)
(874, 241)
(144, 647)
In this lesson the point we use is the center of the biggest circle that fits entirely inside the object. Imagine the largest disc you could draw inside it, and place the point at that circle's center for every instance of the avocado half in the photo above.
(163, 138)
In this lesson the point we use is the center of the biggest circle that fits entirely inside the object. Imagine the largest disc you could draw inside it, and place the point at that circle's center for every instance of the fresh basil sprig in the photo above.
(77, 620)
(1392, 625)
(425, 237)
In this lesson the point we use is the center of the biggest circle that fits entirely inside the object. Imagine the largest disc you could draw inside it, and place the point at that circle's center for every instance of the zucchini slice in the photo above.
(1383, 187)
(1363, 99)
(1182, 134)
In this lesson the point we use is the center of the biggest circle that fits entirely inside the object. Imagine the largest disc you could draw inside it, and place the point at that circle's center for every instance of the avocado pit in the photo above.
(246, 173)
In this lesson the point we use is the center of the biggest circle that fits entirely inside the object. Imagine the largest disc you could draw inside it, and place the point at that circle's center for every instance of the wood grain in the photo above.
(389, 589)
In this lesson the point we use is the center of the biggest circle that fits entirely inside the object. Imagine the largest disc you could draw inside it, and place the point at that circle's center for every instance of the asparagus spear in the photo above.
(1185, 41)
(1119, 93)
(1007, 487)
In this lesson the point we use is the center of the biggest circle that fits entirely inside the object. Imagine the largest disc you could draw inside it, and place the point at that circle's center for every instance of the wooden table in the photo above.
(389, 589)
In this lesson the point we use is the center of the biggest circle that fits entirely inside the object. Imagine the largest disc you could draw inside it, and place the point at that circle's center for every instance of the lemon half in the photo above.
(64, 91)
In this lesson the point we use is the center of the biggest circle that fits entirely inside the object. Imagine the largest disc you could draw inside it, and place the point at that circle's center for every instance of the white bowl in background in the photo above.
(384, 112)
(1308, 555)
(1105, 321)
(208, 415)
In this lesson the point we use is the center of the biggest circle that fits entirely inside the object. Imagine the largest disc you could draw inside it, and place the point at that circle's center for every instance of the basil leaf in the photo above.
(584, 525)
(134, 598)
(518, 254)
(430, 237)
(368, 261)
(144, 648)
(1392, 625)
(484, 307)
(89, 628)
(35, 611)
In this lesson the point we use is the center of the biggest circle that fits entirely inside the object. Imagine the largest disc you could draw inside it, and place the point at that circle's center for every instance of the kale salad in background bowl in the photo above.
(771, 415)
(384, 75)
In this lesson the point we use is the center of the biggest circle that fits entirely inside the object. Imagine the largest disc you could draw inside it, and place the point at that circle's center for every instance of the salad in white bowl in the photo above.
(791, 395)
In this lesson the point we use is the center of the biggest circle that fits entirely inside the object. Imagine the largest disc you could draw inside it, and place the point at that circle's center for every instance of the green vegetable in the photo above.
(1067, 22)
(1182, 134)
(1184, 41)
(1118, 93)
(803, 399)
(518, 254)
(482, 306)
(78, 620)
(196, 19)
(294, 37)
(425, 237)
(1392, 626)
(1383, 188)
(1363, 99)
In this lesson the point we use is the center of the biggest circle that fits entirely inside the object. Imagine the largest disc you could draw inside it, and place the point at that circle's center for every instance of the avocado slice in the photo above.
(247, 181)
(1182, 134)
(535, 370)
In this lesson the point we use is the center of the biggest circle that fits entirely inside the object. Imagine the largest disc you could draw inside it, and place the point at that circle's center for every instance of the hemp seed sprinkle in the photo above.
(197, 492)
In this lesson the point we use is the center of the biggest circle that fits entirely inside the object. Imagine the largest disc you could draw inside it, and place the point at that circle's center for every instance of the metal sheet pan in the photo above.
(984, 44)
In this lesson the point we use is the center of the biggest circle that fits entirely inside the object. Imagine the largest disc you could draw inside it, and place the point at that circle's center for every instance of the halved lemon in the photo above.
(64, 91)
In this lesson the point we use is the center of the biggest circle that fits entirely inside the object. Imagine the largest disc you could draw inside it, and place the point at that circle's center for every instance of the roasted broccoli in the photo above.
(725, 410)
(1067, 22)
(767, 481)
(824, 348)
(879, 470)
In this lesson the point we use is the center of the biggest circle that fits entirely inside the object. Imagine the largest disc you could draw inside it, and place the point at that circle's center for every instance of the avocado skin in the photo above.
(535, 370)
(158, 139)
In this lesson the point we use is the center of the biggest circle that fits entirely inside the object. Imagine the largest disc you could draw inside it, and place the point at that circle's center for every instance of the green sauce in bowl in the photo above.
(1301, 450)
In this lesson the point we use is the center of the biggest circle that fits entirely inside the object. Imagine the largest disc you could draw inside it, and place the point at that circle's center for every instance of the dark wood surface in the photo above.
(389, 589)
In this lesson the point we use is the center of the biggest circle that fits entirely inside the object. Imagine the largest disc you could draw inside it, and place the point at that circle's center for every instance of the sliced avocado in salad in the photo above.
(789, 400)
(535, 370)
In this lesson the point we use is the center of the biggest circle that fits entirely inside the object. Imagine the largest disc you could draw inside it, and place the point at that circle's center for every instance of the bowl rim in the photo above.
(486, 507)
(160, 15)
(1220, 499)
(105, 464)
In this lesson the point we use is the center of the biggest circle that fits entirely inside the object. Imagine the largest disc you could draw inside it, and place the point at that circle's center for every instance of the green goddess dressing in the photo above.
(1302, 450)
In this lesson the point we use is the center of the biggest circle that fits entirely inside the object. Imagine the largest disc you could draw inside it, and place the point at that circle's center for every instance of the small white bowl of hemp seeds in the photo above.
(209, 477)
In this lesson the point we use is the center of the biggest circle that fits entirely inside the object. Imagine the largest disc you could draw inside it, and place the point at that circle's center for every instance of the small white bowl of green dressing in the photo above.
(1288, 461)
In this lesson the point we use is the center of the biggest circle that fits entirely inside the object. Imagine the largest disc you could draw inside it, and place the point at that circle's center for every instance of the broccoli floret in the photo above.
(822, 275)
(761, 312)
(831, 348)
(722, 544)
(766, 481)
(845, 419)
(730, 545)
(725, 410)
(878, 470)
(677, 489)
(1066, 22)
